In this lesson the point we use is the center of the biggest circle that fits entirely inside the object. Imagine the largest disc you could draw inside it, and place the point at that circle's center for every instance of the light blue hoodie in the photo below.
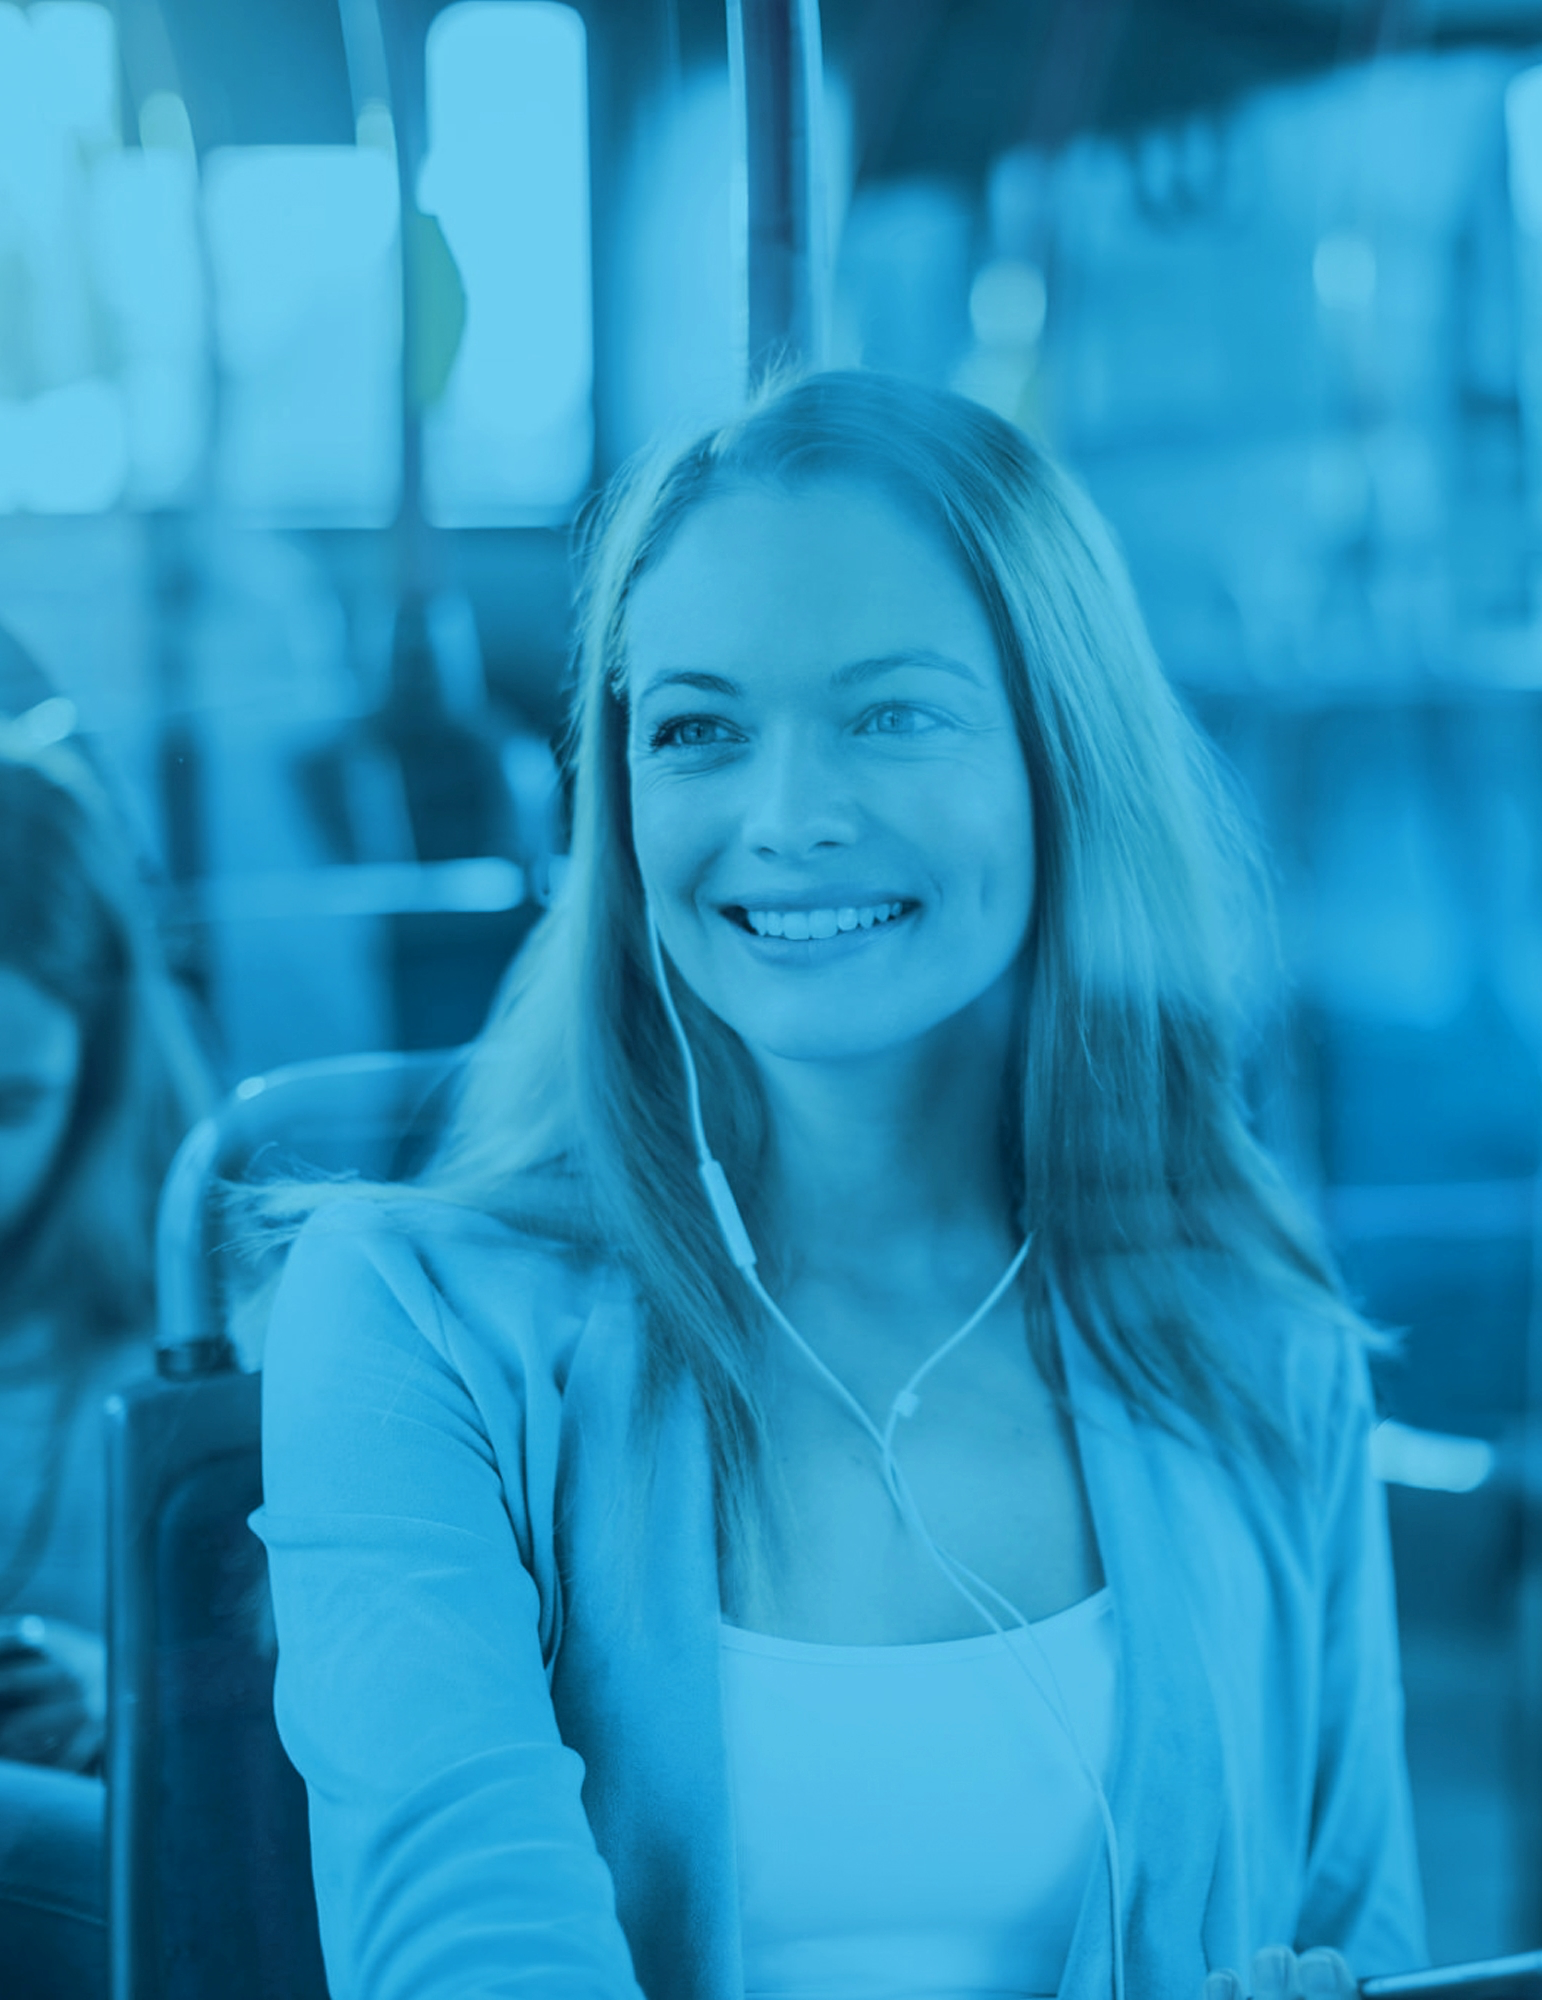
(499, 1632)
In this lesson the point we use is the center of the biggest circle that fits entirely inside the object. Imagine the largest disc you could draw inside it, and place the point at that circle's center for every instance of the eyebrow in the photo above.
(854, 674)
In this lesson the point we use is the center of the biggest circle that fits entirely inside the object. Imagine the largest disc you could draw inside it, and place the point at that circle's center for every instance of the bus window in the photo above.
(511, 437)
(303, 250)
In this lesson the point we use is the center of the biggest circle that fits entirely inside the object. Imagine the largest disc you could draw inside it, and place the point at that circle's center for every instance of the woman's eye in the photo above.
(898, 718)
(706, 732)
(685, 732)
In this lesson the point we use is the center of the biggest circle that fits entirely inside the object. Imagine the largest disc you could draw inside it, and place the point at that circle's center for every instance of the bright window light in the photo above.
(507, 174)
(64, 451)
(303, 248)
(58, 82)
(1523, 123)
(58, 102)
(63, 428)
(149, 278)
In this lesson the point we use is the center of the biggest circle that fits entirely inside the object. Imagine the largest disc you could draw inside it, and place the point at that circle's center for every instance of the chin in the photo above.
(853, 1039)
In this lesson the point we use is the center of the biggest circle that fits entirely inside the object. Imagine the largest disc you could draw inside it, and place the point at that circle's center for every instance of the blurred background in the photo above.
(319, 322)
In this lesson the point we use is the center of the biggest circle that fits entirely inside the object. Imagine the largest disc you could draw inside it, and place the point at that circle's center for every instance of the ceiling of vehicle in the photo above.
(951, 83)
(939, 86)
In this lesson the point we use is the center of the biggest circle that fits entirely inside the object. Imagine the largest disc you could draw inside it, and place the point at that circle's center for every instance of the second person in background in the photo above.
(100, 1076)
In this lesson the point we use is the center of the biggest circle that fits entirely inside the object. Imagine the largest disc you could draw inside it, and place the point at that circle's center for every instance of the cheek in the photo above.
(984, 828)
(1010, 815)
(671, 837)
(649, 830)
(1016, 859)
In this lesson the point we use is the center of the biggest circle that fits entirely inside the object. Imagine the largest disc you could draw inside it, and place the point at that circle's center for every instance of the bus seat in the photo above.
(209, 1887)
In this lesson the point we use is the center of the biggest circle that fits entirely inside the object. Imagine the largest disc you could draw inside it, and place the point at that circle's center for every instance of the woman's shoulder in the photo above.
(373, 1216)
(1309, 1369)
(407, 1268)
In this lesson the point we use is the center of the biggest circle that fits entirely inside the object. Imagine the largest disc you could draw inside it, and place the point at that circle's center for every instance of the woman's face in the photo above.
(830, 806)
(39, 1067)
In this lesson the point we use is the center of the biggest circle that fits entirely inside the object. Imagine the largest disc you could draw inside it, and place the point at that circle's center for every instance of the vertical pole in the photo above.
(385, 44)
(776, 67)
(409, 115)
(1523, 125)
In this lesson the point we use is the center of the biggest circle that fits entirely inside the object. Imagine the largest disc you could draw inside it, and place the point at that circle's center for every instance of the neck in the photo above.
(895, 1157)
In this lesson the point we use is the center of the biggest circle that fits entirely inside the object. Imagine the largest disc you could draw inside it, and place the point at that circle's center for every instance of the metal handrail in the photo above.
(190, 1337)
(777, 76)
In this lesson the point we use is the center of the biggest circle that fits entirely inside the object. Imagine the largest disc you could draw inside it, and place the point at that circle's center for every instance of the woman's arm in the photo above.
(451, 1852)
(1362, 1892)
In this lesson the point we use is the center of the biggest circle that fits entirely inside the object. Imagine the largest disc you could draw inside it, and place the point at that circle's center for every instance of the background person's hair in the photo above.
(72, 922)
(1169, 1231)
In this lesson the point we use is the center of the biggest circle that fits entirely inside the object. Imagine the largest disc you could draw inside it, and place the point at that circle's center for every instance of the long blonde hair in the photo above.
(1168, 1230)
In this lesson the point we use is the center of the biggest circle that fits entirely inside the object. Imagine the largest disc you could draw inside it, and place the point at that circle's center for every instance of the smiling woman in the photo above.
(860, 754)
(851, 1375)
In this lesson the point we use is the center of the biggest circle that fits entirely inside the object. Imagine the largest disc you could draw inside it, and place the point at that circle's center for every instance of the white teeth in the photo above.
(804, 924)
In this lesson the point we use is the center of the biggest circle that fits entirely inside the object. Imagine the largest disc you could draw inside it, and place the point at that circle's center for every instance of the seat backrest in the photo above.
(375, 1115)
(209, 1886)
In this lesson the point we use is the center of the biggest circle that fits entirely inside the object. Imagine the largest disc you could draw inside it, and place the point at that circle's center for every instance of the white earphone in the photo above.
(963, 1579)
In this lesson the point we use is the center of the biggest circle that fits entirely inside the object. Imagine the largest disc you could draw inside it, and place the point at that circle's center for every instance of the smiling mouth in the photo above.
(816, 926)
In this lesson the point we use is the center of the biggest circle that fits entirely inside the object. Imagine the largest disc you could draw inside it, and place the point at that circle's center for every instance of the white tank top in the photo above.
(910, 1821)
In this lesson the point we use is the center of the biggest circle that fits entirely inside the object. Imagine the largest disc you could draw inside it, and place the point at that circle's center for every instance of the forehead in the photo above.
(804, 580)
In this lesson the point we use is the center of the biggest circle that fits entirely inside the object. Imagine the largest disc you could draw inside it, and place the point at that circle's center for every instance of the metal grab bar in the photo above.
(776, 73)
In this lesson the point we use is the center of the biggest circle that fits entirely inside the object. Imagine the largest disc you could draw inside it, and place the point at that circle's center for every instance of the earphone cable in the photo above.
(742, 1252)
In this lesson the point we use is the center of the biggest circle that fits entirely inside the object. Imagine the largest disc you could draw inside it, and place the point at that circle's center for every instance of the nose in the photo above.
(795, 800)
